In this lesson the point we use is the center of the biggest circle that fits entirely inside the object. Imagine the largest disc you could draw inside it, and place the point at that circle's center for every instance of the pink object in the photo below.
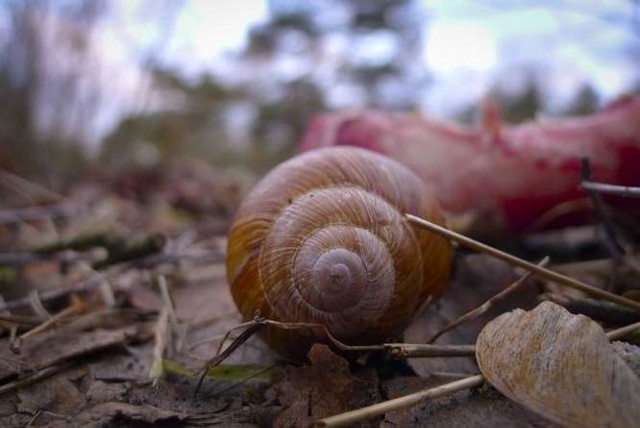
(510, 178)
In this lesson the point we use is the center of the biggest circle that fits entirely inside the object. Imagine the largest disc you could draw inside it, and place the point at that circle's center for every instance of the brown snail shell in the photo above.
(323, 239)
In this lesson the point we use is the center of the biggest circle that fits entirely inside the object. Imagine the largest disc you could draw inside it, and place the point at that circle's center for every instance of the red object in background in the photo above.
(511, 178)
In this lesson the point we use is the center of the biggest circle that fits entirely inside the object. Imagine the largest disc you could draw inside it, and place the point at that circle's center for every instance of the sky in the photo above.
(577, 41)
(468, 43)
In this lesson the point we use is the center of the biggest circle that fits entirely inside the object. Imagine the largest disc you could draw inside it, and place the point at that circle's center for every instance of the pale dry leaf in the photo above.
(561, 366)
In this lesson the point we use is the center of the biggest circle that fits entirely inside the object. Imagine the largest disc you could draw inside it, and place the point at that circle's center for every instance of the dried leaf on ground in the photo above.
(464, 409)
(324, 388)
(59, 395)
(559, 365)
(64, 344)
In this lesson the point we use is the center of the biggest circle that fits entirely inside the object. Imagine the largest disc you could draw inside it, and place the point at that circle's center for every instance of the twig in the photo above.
(45, 212)
(608, 236)
(27, 188)
(516, 261)
(221, 356)
(419, 350)
(164, 332)
(611, 189)
(106, 292)
(161, 335)
(20, 320)
(39, 375)
(476, 312)
(78, 287)
(403, 402)
(410, 400)
(397, 350)
(36, 305)
(166, 298)
(450, 375)
(599, 310)
(75, 308)
(34, 418)
(623, 331)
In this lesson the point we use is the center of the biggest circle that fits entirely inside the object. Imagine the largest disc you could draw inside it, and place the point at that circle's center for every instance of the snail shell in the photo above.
(323, 239)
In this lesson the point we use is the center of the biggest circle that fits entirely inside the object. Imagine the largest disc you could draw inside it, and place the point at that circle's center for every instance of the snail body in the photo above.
(323, 239)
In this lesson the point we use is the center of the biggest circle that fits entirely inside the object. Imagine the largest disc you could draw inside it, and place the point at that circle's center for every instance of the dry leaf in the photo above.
(561, 366)
(324, 388)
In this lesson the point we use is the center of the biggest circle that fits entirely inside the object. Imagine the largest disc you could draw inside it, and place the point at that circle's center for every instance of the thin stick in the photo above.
(419, 350)
(600, 310)
(608, 236)
(398, 350)
(166, 298)
(516, 261)
(27, 188)
(76, 307)
(623, 331)
(39, 375)
(48, 212)
(20, 320)
(78, 287)
(404, 402)
(161, 338)
(611, 189)
(243, 337)
(410, 400)
(476, 312)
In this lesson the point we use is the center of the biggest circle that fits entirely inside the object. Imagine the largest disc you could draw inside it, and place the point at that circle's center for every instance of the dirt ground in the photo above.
(122, 344)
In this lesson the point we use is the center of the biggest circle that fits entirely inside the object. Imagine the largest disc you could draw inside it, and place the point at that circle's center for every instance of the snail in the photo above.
(323, 239)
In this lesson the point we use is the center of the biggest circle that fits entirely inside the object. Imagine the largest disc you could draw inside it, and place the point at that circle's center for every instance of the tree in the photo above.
(193, 124)
(43, 55)
(585, 102)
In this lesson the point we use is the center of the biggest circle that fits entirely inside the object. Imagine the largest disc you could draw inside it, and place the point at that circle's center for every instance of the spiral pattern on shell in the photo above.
(323, 239)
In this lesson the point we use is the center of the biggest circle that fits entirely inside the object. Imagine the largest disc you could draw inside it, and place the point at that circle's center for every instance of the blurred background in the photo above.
(90, 87)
